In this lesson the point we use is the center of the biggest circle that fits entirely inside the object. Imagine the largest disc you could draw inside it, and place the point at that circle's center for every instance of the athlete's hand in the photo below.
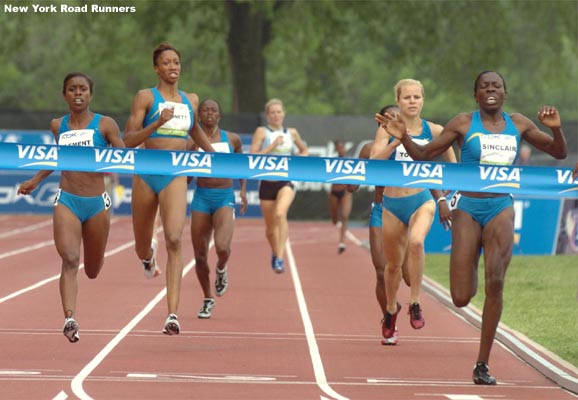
(392, 123)
(244, 202)
(549, 116)
(166, 114)
(278, 141)
(27, 187)
(575, 172)
(445, 214)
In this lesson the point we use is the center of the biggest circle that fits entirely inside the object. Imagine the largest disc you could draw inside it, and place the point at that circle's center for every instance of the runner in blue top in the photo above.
(408, 212)
(276, 197)
(81, 204)
(213, 209)
(163, 118)
(484, 220)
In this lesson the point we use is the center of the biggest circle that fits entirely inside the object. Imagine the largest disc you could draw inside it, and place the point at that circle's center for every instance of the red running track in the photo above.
(310, 333)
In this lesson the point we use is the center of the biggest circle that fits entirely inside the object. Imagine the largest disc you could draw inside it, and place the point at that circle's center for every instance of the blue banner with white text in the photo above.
(525, 180)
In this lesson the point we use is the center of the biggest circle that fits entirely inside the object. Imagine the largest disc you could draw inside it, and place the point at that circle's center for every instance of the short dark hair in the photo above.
(386, 109)
(71, 75)
(209, 99)
(484, 73)
(162, 47)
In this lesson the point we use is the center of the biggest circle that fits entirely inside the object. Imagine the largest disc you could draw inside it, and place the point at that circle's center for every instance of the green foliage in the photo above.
(539, 291)
(326, 57)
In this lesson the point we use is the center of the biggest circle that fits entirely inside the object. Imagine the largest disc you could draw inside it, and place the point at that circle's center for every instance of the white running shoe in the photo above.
(70, 330)
(222, 281)
(206, 309)
(172, 326)
(150, 267)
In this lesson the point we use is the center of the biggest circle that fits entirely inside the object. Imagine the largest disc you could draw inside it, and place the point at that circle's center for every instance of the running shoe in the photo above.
(172, 326)
(481, 375)
(415, 316)
(278, 265)
(70, 330)
(392, 341)
(149, 266)
(341, 248)
(221, 282)
(206, 309)
(388, 326)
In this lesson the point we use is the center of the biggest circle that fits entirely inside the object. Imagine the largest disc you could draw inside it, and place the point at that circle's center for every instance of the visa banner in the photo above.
(518, 180)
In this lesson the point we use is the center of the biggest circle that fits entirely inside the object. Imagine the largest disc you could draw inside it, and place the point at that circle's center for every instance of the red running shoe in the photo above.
(415, 316)
(388, 325)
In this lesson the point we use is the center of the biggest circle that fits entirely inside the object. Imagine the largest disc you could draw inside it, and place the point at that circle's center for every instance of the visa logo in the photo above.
(114, 156)
(191, 159)
(336, 166)
(33, 152)
(565, 177)
(503, 174)
(422, 170)
(268, 163)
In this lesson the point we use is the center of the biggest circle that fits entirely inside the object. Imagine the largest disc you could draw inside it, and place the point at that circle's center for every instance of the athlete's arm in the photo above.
(134, 133)
(303, 150)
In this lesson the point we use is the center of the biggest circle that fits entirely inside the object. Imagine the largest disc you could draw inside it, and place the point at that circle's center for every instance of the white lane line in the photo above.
(508, 340)
(142, 376)
(77, 382)
(28, 228)
(26, 249)
(318, 369)
(19, 373)
(61, 396)
(55, 277)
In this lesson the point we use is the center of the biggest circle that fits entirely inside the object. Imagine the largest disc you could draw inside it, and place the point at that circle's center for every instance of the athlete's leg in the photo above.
(333, 204)
(144, 205)
(419, 226)
(394, 244)
(224, 224)
(464, 257)
(173, 211)
(67, 231)
(282, 204)
(201, 229)
(378, 259)
(345, 204)
(498, 242)
(272, 234)
(94, 237)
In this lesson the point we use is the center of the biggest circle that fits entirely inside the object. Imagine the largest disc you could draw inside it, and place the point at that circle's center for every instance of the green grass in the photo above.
(540, 298)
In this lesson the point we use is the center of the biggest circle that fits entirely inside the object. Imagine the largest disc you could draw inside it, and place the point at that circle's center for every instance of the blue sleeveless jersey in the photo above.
(400, 154)
(223, 145)
(483, 147)
(179, 126)
(87, 137)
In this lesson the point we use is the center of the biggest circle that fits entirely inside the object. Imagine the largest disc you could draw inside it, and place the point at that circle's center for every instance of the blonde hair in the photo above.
(273, 102)
(406, 82)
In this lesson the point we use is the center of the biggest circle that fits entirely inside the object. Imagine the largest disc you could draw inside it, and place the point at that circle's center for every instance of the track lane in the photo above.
(255, 345)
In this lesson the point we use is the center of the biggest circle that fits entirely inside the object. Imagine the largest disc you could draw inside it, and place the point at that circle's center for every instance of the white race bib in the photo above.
(180, 124)
(220, 147)
(284, 148)
(498, 149)
(78, 137)
(401, 152)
